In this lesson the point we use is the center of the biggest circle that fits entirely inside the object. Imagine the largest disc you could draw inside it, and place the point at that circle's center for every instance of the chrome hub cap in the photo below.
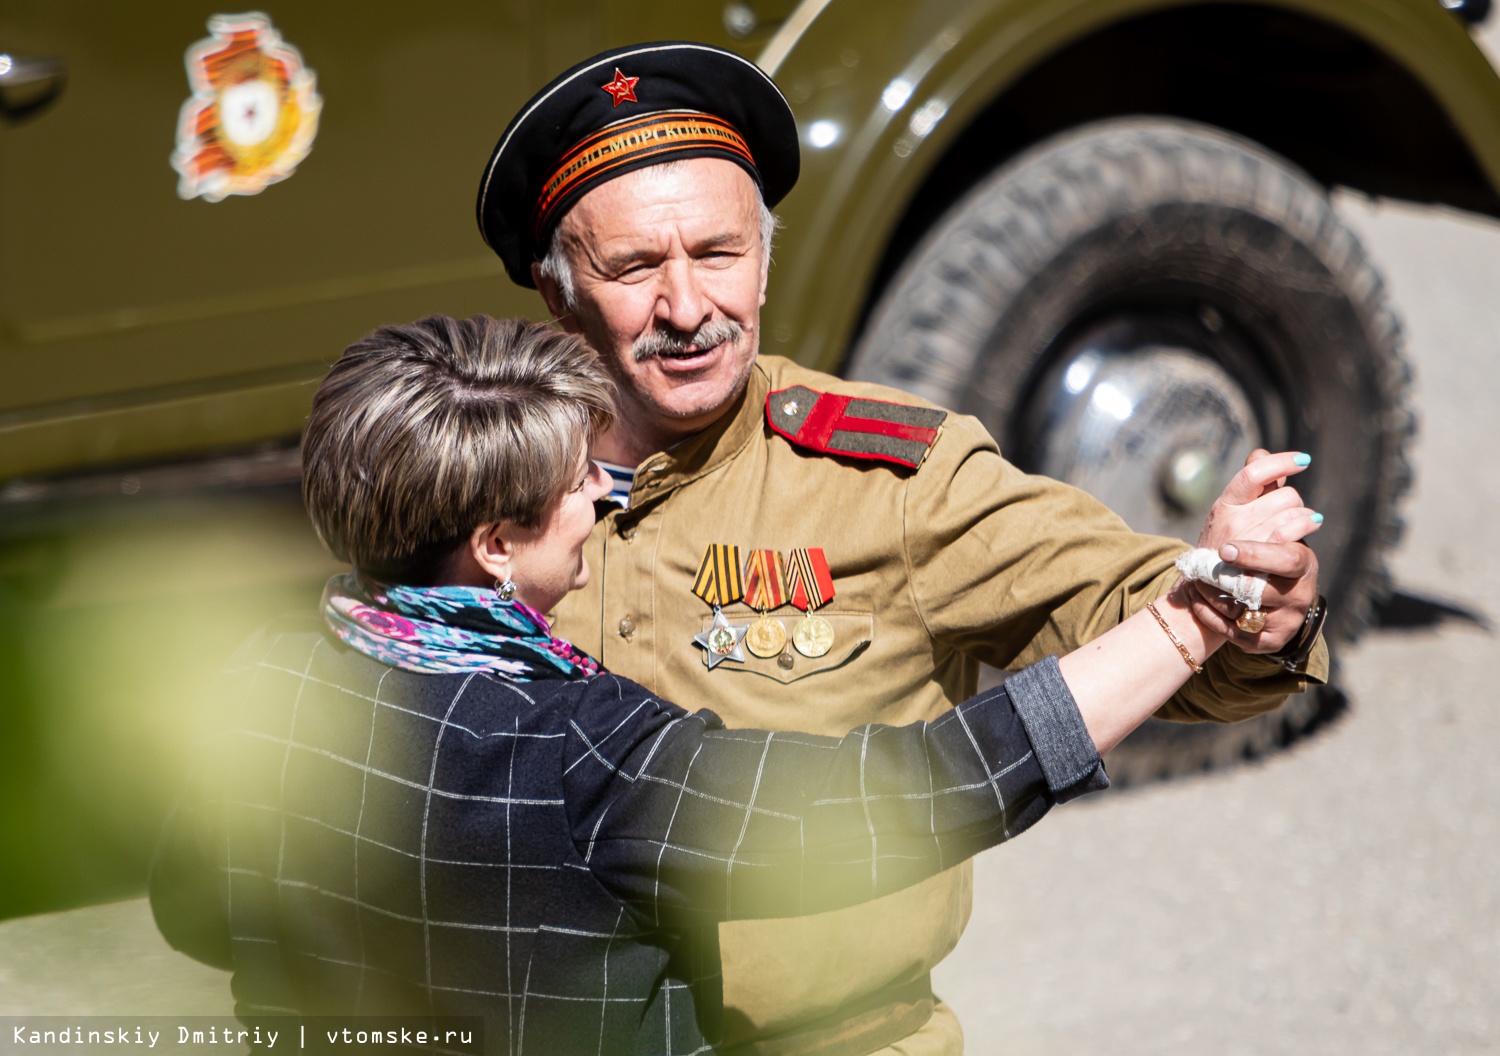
(1150, 425)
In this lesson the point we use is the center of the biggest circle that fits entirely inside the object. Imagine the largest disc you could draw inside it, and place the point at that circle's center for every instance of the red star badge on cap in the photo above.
(622, 88)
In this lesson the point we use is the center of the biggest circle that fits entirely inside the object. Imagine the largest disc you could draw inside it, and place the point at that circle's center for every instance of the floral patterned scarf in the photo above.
(447, 630)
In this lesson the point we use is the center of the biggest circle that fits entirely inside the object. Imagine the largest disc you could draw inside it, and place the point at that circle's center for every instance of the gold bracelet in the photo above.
(1186, 656)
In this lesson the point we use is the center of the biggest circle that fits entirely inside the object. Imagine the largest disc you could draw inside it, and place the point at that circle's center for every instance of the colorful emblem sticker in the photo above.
(253, 113)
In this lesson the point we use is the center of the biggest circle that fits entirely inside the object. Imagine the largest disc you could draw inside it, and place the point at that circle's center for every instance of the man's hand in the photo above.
(1258, 523)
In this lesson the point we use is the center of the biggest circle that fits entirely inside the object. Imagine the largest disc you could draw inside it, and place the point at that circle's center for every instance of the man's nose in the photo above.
(681, 301)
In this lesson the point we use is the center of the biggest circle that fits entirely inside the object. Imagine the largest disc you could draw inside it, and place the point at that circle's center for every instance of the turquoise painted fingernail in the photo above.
(1317, 518)
(1303, 459)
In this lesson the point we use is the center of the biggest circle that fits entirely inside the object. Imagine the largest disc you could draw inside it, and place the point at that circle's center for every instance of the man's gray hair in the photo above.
(423, 432)
(555, 264)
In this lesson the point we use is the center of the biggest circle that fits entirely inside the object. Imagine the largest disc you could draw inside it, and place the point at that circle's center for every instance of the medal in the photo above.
(813, 636)
(765, 589)
(766, 637)
(811, 586)
(721, 641)
(718, 583)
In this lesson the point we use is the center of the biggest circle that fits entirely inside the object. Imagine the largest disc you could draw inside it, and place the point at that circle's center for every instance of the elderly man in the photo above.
(800, 552)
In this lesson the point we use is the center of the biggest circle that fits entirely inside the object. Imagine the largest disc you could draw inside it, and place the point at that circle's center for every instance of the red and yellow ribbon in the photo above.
(765, 580)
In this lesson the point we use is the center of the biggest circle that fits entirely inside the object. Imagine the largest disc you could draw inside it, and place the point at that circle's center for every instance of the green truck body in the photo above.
(139, 327)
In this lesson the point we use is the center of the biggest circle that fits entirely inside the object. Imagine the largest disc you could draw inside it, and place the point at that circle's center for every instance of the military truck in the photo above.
(1102, 226)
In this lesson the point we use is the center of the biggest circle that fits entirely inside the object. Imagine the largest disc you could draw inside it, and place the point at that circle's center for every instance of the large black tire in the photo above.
(1131, 307)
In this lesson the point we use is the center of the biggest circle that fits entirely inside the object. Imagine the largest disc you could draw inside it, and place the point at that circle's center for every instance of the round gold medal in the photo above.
(766, 637)
(813, 636)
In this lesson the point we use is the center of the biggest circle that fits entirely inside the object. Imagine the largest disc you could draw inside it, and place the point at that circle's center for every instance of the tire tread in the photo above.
(930, 328)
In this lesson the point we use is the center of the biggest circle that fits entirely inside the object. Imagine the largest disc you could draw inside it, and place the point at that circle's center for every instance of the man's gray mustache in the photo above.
(669, 341)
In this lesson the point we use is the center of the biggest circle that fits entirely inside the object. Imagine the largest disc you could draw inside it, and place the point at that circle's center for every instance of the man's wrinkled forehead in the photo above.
(707, 204)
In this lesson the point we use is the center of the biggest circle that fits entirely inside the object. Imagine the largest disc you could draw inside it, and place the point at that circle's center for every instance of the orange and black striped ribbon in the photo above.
(808, 578)
(718, 580)
(765, 580)
(653, 135)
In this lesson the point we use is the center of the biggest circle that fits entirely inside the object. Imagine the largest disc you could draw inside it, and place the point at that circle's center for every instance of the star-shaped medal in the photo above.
(622, 88)
(722, 641)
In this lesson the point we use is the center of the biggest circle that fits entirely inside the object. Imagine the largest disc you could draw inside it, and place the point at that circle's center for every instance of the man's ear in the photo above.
(765, 274)
(551, 292)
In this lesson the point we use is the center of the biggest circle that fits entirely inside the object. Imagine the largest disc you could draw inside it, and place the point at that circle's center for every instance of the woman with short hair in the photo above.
(424, 803)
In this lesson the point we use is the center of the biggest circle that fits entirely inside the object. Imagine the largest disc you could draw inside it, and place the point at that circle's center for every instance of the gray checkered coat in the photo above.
(555, 855)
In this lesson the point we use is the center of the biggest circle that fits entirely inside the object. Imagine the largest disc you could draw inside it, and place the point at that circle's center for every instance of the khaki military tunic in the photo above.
(963, 560)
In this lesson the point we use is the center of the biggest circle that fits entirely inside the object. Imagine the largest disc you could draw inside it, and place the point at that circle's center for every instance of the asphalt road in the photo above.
(1338, 898)
(1342, 896)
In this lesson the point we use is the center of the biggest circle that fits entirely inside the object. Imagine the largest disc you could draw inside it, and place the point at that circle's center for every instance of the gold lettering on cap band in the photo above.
(609, 148)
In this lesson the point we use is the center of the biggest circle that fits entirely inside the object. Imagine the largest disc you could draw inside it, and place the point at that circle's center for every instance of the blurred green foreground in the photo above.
(114, 618)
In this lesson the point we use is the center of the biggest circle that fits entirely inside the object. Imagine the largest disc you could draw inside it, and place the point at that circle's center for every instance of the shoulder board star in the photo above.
(622, 88)
(853, 426)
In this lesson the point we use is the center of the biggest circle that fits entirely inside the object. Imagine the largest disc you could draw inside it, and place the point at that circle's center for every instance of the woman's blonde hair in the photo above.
(423, 432)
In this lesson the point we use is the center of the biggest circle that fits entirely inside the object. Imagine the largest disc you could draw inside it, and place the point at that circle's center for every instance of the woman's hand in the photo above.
(1258, 524)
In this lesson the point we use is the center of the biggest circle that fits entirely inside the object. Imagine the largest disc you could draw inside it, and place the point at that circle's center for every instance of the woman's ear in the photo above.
(491, 550)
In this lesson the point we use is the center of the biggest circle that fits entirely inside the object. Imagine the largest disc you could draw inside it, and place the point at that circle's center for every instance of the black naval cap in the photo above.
(620, 111)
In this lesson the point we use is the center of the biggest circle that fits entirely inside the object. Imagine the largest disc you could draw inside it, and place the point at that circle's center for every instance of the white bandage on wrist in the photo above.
(1204, 566)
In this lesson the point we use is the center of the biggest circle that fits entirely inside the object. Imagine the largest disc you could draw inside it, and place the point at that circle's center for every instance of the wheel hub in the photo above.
(1146, 419)
(1190, 479)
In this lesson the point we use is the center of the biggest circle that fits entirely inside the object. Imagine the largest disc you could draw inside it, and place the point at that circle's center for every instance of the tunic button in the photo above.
(628, 533)
(627, 628)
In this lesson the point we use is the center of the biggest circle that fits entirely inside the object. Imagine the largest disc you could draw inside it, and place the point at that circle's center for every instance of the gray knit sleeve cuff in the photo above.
(1062, 744)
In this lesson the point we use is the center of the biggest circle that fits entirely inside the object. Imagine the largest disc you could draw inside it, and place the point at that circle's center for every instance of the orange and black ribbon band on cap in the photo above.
(628, 143)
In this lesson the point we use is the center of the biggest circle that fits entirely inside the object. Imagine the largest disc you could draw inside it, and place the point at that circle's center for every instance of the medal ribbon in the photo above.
(718, 580)
(808, 578)
(765, 580)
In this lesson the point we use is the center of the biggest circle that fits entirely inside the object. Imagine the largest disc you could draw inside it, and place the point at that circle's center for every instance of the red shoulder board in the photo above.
(859, 428)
